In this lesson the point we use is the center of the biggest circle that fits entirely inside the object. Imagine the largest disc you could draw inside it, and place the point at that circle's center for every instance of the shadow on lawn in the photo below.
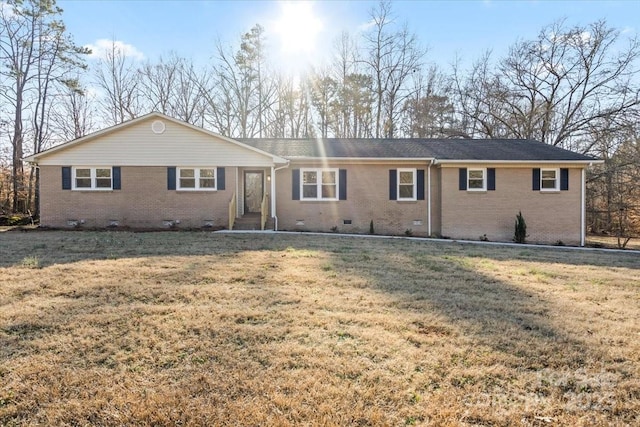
(522, 324)
(41, 248)
(501, 324)
(424, 277)
(38, 249)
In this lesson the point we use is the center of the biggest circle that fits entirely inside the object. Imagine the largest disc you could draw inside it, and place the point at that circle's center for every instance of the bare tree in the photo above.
(393, 56)
(118, 80)
(613, 196)
(346, 63)
(239, 90)
(323, 90)
(428, 113)
(555, 88)
(188, 103)
(173, 86)
(157, 83)
(36, 54)
(73, 115)
(478, 97)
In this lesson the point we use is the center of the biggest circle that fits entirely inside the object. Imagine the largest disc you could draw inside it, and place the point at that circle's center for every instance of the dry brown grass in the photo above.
(114, 328)
(602, 241)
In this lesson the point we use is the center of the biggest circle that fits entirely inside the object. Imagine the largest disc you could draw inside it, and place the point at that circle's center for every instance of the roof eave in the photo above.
(586, 162)
(361, 159)
(35, 157)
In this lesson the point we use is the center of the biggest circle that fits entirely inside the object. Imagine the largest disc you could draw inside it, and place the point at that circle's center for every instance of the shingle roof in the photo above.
(441, 149)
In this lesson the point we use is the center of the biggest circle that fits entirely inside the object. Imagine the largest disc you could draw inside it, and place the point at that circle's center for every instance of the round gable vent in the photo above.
(157, 126)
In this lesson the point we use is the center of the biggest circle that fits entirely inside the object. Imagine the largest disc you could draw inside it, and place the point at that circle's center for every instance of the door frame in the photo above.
(244, 196)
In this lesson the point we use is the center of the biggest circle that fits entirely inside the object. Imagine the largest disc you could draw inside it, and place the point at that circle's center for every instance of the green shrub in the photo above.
(520, 234)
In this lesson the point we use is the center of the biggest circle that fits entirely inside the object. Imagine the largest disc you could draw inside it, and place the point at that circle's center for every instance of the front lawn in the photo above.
(196, 328)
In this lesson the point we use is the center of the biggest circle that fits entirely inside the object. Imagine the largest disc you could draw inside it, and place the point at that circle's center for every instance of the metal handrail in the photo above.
(232, 211)
(264, 211)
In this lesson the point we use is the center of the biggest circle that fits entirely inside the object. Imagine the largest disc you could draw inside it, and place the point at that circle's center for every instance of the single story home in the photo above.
(156, 171)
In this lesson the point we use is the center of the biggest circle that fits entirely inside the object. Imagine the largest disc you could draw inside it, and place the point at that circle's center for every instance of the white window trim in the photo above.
(415, 185)
(92, 177)
(196, 173)
(319, 184)
(484, 179)
(557, 184)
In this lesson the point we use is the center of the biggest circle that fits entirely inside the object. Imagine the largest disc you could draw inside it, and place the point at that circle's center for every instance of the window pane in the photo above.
(475, 183)
(548, 183)
(187, 173)
(309, 191)
(329, 177)
(207, 182)
(476, 174)
(406, 177)
(103, 182)
(103, 173)
(406, 191)
(83, 173)
(187, 183)
(83, 183)
(329, 191)
(207, 173)
(309, 177)
(548, 174)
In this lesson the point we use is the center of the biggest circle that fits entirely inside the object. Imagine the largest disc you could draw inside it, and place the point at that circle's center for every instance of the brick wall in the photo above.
(550, 216)
(367, 200)
(143, 201)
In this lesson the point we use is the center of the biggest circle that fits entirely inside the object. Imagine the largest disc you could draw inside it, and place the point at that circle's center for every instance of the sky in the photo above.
(303, 32)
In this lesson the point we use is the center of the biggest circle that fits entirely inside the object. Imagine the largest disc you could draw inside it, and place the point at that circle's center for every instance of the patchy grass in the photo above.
(611, 242)
(115, 328)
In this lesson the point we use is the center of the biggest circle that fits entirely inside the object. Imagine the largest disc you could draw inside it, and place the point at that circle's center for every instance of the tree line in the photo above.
(575, 87)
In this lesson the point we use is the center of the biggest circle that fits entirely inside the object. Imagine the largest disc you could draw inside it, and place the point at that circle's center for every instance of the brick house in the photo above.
(156, 171)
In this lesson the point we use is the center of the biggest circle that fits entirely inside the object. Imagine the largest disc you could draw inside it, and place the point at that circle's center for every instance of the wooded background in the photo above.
(575, 87)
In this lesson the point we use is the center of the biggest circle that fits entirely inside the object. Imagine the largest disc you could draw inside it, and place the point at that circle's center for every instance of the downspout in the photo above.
(429, 198)
(582, 206)
(272, 181)
(237, 193)
(273, 194)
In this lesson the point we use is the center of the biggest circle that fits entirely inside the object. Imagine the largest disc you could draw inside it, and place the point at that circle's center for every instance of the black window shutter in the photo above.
(171, 178)
(462, 179)
(491, 179)
(116, 177)
(564, 179)
(66, 178)
(393, 184)
(221, 179)
(536, 179)
(342, 191)
(295, 184)
(420, 189)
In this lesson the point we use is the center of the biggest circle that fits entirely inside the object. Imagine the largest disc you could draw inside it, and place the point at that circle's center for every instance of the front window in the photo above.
(549, 179)
(329, 182)
(319, 184)
(85, 178)
(196, 179)
(103, 178)
(406, 184)
(476, 180)
(310, 184)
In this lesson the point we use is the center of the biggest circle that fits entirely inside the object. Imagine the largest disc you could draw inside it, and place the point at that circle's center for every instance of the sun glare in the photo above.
(297, 27)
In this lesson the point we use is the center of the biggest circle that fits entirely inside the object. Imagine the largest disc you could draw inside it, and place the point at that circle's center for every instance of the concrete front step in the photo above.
(251, 222)
(246, 225)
